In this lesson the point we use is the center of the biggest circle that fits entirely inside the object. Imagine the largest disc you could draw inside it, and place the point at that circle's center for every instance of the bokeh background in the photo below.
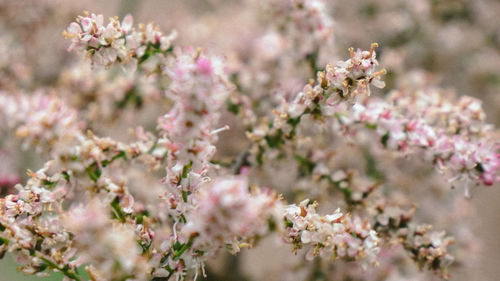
(457, 40)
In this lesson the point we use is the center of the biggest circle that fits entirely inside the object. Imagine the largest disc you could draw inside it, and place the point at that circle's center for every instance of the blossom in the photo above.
(228, 215)
(332, 236)
(223, 141)
(115, 42)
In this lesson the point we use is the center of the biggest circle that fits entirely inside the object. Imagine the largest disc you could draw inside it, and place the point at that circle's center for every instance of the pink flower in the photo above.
(204, 66)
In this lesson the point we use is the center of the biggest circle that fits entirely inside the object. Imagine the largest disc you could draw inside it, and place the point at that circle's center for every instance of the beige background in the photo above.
(486, 199)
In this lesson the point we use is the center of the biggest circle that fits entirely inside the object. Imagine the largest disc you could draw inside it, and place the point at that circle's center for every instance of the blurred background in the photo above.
(457, 41)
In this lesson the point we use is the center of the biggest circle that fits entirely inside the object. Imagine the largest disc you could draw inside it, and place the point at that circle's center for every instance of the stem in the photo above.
(186, 246)
(117, 210)
(66, 272)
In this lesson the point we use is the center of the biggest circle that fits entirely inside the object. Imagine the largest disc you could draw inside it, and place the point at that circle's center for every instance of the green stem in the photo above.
(186, 246)
(117, 210)
(66, 272)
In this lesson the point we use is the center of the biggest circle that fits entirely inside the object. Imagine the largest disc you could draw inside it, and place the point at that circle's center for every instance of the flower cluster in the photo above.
(332, 236)
(228, 215)
(303, 17)
(477, 160)
(219, 149)
(344, 83)
(111, 249)
(32, 231)
(101, 97)
(429, 248)
(41, 120)
(463, 116)
(105, 44)
(199, 89)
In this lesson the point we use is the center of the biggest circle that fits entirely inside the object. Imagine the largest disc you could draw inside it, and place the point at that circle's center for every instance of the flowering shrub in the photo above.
(225, 149)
